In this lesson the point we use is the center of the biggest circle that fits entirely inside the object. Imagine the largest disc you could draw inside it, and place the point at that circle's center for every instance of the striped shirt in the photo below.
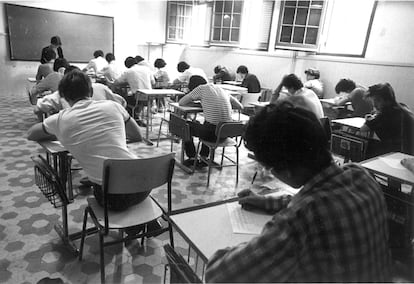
(214, 101)
(333, 230)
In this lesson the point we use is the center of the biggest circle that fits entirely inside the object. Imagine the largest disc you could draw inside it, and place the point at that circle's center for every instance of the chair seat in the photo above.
(141, 213)
(228, 142)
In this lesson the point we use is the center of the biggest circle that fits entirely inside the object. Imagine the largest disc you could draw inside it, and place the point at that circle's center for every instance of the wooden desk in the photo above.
(155, 94)
(353, 122)
(234, 83)
(184, 111)
(232, 88)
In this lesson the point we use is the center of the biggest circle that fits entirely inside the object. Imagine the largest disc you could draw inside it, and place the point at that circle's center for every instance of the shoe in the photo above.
(154, 229)
(141, 123)
(189, 162)
(201, 164)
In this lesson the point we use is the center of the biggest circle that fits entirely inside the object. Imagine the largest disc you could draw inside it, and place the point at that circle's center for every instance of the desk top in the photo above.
(52, 147)
(260, 104)
(355, 122)
(160, 92)
(234, 83)
(232, 88)
(32, 79)
(210, 229)
(389, 165)
(186, 109)
(328, 101)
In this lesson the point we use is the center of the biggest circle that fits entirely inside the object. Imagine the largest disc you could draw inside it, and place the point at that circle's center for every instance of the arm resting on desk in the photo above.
(38, 133)
(235, 103)
(133, 133)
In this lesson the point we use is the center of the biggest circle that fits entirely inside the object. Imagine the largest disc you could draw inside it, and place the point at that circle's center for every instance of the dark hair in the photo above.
(139, 58)
(130, 61)
(182, 66)
(55, 40)
(75, 85)
(98, 53)
(60, 62)
(283, 137)
(196, 81)
(109, 57)
(71, 68)
(50, 54)
(345, 85)
(217, 69)
(242, 69)
(292, 81)
(383, 91)
(159, 63)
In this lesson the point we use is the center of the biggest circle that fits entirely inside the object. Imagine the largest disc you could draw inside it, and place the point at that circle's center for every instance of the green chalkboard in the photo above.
(30, 29)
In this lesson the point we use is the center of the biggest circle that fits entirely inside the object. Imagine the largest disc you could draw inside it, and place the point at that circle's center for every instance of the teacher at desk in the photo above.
(333, 230)
(55, 45)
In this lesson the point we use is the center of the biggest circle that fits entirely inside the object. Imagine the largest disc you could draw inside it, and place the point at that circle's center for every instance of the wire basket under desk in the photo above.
(49, 183)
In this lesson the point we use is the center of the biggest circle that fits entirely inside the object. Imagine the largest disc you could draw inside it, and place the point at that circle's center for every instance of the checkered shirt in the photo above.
(333, 230)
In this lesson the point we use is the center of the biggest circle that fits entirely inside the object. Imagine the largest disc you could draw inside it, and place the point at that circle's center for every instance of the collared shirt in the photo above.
(137, 77)
(333, 230)
(312, 100)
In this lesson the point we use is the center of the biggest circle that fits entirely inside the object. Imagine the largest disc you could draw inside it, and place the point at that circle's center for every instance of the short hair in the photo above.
(110, 57)
(283, 136)
(242, 69)
(182, 66)
(139, 58)
(59, 63)
(345, 85)
(75, 85)
(55, 40)
(50, 54)
(159, 63)
(217, 69)
(196, 81)
(383, 91)
(129, 62)
(98, 53)
(71, 68)
(292, 81)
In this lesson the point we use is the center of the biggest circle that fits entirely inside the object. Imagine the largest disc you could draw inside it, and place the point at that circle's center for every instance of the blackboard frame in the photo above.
(85, 27)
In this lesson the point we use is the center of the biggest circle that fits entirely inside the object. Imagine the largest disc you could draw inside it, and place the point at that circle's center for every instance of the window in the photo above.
(299, 24)
(179, 20)
(227, 21)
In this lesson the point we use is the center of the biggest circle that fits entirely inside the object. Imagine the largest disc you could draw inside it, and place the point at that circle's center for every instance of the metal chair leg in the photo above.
(237, 165)
(210, 163)
(82, 241)
(102, 260)
(222, 157)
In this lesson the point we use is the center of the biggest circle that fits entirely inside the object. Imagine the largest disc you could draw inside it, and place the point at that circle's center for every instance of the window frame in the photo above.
(183, 40)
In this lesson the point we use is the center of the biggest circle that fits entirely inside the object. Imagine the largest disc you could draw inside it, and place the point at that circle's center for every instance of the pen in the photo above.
(254, 177)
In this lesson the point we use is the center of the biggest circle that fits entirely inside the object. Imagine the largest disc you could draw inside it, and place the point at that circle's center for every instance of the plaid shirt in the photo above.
(333, 230)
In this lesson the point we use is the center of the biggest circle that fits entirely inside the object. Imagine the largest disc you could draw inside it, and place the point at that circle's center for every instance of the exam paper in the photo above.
(392, 162)
(246, 222)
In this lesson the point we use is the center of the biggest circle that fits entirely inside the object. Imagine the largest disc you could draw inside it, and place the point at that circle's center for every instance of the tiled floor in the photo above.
(30, 248)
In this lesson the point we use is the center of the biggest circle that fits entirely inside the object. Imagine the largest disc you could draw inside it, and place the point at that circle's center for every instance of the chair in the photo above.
(180, 270)
(326, 124)
(125, 177)
(225, 133)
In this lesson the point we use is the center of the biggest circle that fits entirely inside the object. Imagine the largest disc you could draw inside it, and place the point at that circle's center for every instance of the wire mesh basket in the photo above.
(49, 183)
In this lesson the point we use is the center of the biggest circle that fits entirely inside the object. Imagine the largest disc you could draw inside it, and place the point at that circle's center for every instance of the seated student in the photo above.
(47, 67)
(222, 73)
(333, 230)
(348, 91)
(97, 64)
(217, 107)
(313, 82)
(141, 61)
(294, 87)
(55, 45)
(137, 77)
(51, 82)
(392, 122)
(92, 131)
(187, 72)
(162, 80)
(112, 70)
(249, 80)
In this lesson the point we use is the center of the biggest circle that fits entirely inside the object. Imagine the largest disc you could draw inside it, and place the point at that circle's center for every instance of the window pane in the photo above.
(235, 34)
(286, 34)
(173, 9)
(171, 21)
(311, 35)
(219, 6)
(226, 20)
(301, 16)
(180, 33)
(298, 35)
(288, 16)
(237, 6)
(227, 6)
(303, 3)
(317, 3)
(225, 36)
(216, 34)
(314, 17)
(290, 3)
(217, 20)
(171, 33)
(236, 21)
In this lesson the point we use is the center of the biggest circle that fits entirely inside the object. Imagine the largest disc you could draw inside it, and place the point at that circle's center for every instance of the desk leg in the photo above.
(148, 117)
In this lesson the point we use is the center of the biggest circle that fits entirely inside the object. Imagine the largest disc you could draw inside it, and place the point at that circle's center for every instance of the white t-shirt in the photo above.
(97, 64)
(92, 131)
(186, 75)
(137, 77)
(314, 102)
(316, 86)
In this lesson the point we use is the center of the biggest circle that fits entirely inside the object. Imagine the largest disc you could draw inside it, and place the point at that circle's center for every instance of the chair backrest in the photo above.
(248, 98)
(326, 124)
(137, 175)
(180, 270)
(266, 95)
(229, 129)
(178, 126)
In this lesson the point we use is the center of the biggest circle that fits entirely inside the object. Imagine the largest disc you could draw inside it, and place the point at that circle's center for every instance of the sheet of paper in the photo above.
(392, 162)
(246, 222)
(276, 186)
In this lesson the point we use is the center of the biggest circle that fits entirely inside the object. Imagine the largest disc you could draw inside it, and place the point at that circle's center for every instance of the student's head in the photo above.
(345, 86)
(288, 140)
(98, 53)
(242, 71)
(130, 61)
(110, 57)
(55, 40)
(182, 66)
(312, 73)
(71, 68)
(139, 58)
(50, 54)
(75, 85)
(292, 83)
(60, 63)
(196, 81)
(159, 63)
(217, 69)
(382, 96)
